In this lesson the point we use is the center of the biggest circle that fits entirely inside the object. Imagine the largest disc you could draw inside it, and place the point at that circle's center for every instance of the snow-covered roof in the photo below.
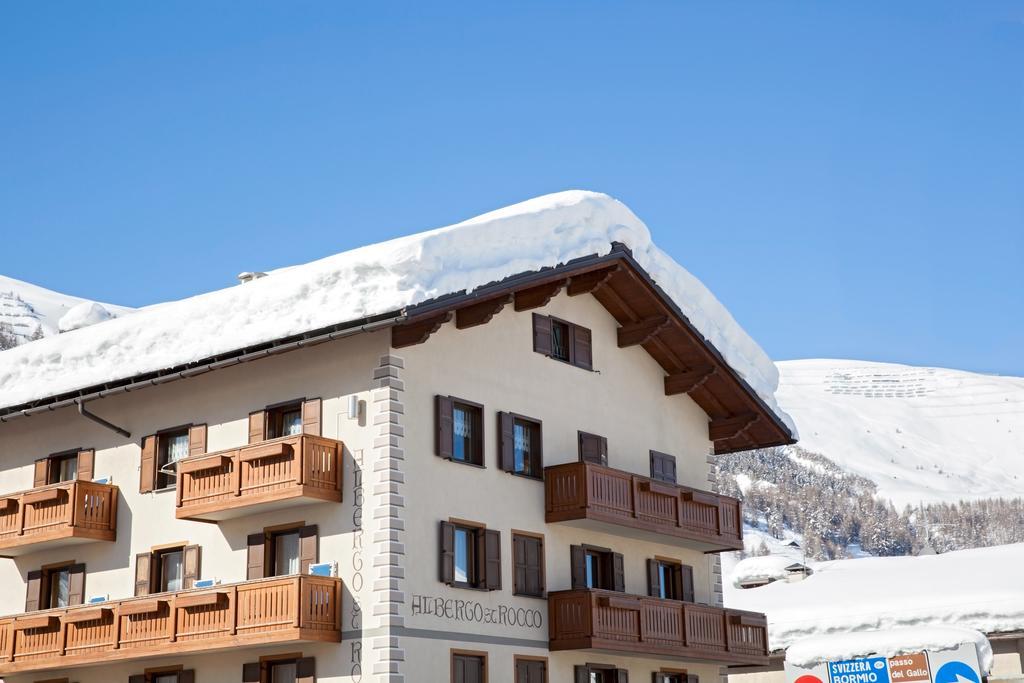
(899, 641)
(376, 280)
(977, 589)
(761, 568)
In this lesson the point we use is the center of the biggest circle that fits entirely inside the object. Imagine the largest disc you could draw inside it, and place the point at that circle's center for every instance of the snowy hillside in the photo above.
(920, 434)
(29, 311)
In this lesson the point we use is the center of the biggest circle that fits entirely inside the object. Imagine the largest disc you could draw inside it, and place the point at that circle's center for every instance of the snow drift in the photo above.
(899, 641)
(374, 280)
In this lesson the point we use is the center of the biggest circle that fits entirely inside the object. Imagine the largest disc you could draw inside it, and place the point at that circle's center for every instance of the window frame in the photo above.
(47, 573)
(573, 332)
(664, 457)
(679, 571)
(52, 465)
(267, 541)
(163, 481)
(478, 444)
(602, 447)
(273, 418)
(604, 669)
(157, 578)
(536, 445)
(266, 663)
(473, 532)
(479, 560)
(611, 568)
(476, 654)
(543, 594)
(150, 674)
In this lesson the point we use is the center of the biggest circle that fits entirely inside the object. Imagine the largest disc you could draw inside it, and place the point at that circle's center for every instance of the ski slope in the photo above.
(27, 308)
(921, 434)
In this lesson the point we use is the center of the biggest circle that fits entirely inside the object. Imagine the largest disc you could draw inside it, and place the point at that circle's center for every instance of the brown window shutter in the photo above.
(653, 579)
(190, 557)
(311, 416)
(692, 678)
(256, 561)
(621, 676)
(308, 537)
(507, 442)
(147, 469)
(445, 442)
(305, 670)
(76, 584)
(593, 448)
(492, 555)
(257, 426)
(663, 467)
(143, 573)
(542, 334)
(32, 590)
(582, 354)
(659, 678)
(39, 474)
(578, 565)
(187, 676)
(447, 553)
(251, 672)
(86, 458)
(197, 439)
(137, 678)
(618, 573)
(687, 574)
(581, 674)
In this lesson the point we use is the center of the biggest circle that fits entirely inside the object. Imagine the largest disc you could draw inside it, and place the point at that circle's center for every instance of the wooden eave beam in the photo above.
(590, 282)
(535, 297)
(642, 331)
(480, 312)
(418, 332)
(724, 428)
(689, 380)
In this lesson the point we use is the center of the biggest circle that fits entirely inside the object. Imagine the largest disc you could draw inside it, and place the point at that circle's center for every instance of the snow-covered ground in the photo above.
(898, 641)
(373, 280)
(977, 589)
(921, 434)
(27, 308)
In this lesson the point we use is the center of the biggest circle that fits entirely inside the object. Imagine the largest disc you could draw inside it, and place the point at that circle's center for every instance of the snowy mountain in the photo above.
(920, 434)
(28, 311)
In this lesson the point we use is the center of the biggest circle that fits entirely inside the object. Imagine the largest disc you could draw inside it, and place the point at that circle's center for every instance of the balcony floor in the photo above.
(240, 506)
(16, 546)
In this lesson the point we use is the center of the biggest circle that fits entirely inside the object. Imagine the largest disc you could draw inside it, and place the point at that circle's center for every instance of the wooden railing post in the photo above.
(116, 644)
(300, 459)
(236, 472)
(73, 503)
(299, 604)
(172, 618)
(21, 516)
(233, 611)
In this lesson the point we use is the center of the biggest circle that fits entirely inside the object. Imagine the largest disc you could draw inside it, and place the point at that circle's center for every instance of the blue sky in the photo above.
(846, 177)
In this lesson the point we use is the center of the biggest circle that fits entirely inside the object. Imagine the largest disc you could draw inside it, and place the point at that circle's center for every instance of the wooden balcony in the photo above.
(288, 609)
(283, 472)
(617, 622)
(56, 515)
(605, 499)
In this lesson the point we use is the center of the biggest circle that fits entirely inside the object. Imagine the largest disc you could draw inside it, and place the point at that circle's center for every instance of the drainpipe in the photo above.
(100, 421)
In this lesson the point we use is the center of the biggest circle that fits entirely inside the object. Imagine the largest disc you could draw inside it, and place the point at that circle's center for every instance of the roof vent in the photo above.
(249, 277)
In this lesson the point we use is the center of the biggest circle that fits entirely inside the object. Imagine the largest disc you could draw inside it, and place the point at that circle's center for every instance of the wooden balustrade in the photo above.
(602, 495)
(290, 470)
(70, 512)
(605, 620)
(277, 610)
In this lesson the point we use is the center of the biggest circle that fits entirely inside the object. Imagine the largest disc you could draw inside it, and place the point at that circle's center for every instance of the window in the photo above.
(164, 674)
(289, 668)
(172, 446)
(282, 550)
(663, 467)
(166, 569)
(675, 677)
(669, 579)
(528, 564)
(470, 556)
(599, 673)
(64, 466)
(520, 449)
(469, 667)
(284, 420)
(299, 416)
(563, 341)
(162, 451)
(460, 431)
(599, 568)
(593, 448)
(57, 585)
(531, 670)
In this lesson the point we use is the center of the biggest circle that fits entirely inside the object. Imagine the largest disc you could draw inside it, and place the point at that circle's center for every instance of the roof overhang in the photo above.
(738, 418)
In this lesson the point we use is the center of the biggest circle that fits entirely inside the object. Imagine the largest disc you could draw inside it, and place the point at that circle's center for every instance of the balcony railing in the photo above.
(606, 620)
(602, 495)
(290, 470)
(59, 514)
(278, 610)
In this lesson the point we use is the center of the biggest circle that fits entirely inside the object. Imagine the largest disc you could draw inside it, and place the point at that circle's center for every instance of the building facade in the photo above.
(511, 484)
